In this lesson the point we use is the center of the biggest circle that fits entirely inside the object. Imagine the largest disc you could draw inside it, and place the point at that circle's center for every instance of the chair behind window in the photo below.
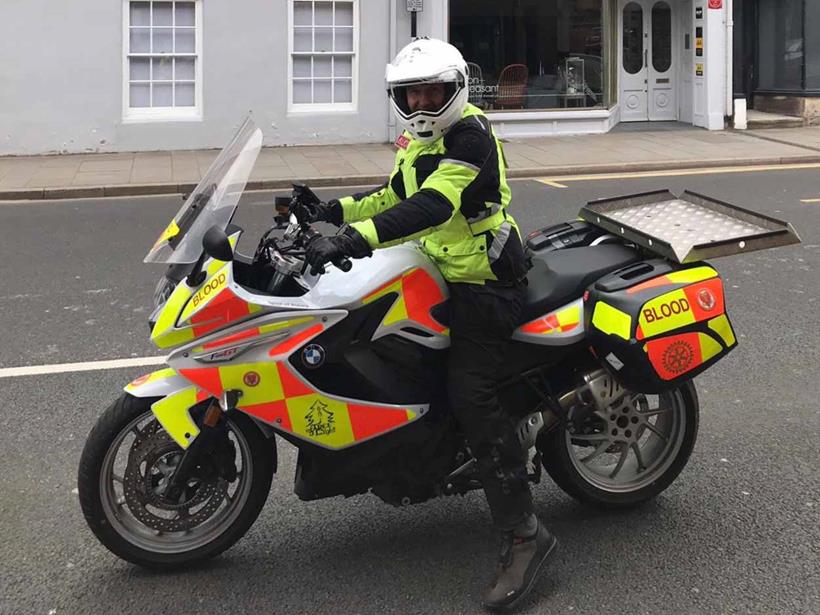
(512, 86)
(475, 83)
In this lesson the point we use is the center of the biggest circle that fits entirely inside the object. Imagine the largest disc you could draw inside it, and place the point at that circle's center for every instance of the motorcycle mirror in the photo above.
(282, 204)
(304, 194)
(216, 244)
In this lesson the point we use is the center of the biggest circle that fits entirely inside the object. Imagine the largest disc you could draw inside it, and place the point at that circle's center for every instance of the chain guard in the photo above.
(141, 486)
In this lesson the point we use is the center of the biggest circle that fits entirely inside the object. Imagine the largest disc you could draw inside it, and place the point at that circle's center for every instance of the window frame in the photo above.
(301, 108)
(161, 114)
(610, 48)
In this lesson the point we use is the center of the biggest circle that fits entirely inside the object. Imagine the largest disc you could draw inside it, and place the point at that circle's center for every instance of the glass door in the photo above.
(647, 71)
(633, 69)
(662, 99)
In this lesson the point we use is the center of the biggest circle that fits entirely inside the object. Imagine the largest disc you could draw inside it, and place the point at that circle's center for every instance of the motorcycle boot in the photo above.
(520, 562)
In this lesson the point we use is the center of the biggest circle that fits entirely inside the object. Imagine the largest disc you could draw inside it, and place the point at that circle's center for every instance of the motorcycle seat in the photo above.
(561, 276)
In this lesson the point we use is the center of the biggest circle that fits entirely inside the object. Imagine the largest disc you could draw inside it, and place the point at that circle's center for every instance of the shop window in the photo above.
(781, 45)
(162, 70)
(324, 41)
(532, 54)
(812, 25)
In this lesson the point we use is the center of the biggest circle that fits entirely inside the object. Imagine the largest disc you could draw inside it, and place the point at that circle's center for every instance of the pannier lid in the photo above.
(687, 228)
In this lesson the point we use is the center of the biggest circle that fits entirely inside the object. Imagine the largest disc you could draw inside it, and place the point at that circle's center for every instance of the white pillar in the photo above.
(740, 114)
(715, 53)
(433, 20)
(709, 99)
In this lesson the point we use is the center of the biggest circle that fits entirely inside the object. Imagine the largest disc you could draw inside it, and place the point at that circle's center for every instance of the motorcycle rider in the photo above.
(448, 188)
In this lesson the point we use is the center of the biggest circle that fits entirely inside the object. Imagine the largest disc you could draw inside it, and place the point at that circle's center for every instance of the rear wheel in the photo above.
(628, 454)
(125, 465)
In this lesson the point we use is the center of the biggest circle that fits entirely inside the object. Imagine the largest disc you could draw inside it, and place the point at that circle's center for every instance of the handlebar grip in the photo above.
(343, 263)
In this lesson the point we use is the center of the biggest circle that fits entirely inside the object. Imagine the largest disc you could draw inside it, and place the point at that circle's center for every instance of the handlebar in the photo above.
(301, 205)
(343, 263)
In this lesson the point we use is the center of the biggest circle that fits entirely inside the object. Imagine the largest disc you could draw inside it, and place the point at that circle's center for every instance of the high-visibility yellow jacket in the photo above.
(452, 194)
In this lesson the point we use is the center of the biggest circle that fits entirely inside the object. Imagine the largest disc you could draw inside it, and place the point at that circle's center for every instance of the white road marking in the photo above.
(810, 200)
(88, 366)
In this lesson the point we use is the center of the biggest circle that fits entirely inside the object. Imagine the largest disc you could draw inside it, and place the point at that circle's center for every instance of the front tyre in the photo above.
(627, 455)
(127, 460)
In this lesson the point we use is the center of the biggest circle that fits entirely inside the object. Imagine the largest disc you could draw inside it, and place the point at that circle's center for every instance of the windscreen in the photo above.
(212, 202)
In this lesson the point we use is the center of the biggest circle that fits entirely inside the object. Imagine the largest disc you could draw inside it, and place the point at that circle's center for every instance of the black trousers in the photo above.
(482, 320)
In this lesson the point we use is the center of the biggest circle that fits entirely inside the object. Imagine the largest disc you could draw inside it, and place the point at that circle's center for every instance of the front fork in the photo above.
(213, 424)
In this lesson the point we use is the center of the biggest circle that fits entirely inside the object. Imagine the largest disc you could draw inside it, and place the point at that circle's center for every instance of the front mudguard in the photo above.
(177, 397)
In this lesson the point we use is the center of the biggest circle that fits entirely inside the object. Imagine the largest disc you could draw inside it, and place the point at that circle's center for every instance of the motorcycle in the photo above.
(347, 364)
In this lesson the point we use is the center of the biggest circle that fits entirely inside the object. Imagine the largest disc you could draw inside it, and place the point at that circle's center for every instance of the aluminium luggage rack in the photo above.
(688, 228)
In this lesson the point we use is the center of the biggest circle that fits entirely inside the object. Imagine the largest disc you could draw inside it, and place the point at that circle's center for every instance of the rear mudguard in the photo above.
(173, 409)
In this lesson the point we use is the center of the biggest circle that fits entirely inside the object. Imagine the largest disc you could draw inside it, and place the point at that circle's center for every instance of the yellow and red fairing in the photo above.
(562, 326)
(417, 293)
(191, 313)
(275, 393)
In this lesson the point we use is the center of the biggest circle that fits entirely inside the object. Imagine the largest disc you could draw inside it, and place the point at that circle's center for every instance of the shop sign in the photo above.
(715, 4)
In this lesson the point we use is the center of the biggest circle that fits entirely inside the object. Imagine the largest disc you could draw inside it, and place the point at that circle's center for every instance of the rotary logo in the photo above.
(706, 299)
(678, 357)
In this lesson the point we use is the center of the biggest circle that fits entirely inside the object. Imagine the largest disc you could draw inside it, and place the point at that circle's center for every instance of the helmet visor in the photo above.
(430, 96)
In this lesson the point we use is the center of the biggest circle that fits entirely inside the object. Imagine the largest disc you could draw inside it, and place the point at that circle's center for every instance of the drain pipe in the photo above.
(392, 42)
(730, 44)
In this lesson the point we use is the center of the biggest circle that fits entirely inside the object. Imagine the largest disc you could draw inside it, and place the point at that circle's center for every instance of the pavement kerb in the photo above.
(77, 192)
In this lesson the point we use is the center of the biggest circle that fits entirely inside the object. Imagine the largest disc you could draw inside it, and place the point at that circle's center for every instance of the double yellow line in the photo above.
(560, 182)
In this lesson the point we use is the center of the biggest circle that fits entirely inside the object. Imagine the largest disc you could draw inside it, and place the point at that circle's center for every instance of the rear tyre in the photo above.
(124, 465)
(628, 455)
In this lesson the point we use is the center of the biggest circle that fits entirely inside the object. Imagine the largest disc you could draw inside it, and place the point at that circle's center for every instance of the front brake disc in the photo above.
(145, 477)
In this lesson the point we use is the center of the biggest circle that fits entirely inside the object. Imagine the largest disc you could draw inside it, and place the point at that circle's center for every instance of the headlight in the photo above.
(163, 290)
(161, 293)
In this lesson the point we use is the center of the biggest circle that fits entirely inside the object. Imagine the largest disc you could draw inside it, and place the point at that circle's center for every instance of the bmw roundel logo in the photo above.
(313, 355)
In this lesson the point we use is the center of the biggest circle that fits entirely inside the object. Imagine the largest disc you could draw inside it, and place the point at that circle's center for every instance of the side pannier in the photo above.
(656, 324)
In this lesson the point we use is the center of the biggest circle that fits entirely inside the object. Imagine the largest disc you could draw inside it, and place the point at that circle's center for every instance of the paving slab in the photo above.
(158, 172)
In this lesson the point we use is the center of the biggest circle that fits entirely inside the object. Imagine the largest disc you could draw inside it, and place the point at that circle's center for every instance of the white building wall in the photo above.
(61, 79)
(710, 89)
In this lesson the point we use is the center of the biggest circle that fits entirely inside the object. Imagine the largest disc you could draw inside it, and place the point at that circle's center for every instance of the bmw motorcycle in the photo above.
(347, 365)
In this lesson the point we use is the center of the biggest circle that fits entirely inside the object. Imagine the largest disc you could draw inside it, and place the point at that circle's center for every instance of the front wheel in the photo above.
(627, 455)
(125, 465)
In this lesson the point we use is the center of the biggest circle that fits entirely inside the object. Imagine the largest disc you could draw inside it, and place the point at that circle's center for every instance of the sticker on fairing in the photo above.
(614, 361)
(680, 308)
(171, 231)
(208, 291)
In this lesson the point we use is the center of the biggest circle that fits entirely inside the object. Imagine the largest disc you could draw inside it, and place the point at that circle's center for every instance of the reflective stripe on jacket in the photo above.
(452, 194)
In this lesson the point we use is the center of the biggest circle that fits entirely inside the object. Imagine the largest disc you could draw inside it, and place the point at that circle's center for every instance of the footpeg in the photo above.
(528, 429)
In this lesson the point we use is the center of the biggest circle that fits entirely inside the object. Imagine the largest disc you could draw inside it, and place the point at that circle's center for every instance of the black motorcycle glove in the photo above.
(328, 212)
(323, 250)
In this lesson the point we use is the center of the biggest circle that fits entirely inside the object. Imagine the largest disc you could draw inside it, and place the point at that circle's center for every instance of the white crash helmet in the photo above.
(428, 61)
